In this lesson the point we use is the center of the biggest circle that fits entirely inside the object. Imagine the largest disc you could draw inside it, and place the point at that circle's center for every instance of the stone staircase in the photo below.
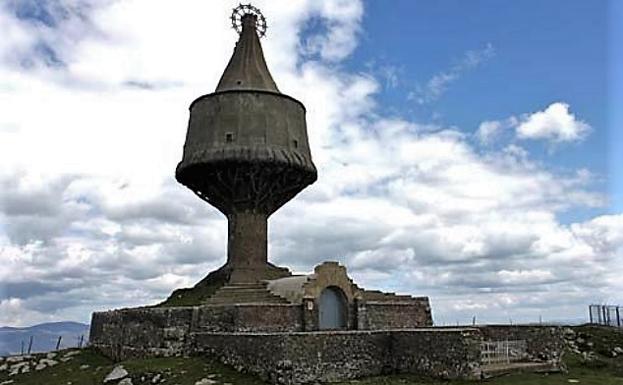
(244, 293)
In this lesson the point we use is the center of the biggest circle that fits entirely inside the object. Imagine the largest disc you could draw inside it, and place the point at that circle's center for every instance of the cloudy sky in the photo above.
(467, 151)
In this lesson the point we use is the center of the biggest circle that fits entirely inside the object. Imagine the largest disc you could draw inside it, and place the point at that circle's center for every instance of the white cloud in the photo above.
(439, 83)
(340, 37)
(91, 217)
(555, 123)
(488, 131)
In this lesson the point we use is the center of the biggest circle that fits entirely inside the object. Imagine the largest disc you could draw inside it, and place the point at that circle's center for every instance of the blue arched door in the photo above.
(333, 309)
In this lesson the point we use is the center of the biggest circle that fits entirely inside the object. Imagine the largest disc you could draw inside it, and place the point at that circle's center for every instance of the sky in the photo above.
(466, 151)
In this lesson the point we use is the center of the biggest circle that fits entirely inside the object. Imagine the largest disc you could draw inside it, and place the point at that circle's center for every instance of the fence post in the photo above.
(508, 355)
(590, 313)
(598, 314)
(618, 317)
(22, 353)
(30, 345)
(58, 343)
(81, 340)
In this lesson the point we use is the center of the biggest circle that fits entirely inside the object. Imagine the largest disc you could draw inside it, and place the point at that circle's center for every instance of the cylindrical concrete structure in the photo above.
(247, 153)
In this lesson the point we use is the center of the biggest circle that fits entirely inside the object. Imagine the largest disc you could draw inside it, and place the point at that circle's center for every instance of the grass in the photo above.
(601, 369)
(175, 370)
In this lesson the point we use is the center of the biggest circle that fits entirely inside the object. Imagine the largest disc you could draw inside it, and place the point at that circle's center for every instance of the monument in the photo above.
(247, 154)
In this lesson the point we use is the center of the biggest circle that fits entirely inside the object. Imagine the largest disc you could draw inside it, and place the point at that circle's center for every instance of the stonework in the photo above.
(288, 304)
(395, 315)
(298, 358)
(544, 343)
(309, 357)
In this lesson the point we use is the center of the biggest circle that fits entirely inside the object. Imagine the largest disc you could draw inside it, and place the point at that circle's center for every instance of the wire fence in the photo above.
(608, 315)
(27, 345)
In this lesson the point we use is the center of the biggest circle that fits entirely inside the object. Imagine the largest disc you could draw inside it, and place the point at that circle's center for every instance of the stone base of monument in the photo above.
(327, 299)
(293, 329)
(329, 356)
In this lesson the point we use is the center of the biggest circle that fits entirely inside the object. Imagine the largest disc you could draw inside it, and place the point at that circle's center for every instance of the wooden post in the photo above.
(22, 353)
(58, 343)
(81, 340)
(618, 317)
(30, 345)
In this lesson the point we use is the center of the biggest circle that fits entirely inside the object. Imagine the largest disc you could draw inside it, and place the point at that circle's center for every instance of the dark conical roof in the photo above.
(247, 68)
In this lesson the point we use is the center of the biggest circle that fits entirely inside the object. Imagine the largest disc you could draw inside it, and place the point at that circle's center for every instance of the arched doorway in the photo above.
(333, 309)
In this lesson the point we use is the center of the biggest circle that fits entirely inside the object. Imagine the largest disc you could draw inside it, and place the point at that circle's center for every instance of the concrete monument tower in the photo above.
(246, 151)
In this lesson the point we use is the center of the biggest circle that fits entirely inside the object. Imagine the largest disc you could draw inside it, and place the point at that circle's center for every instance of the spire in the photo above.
(247, 68)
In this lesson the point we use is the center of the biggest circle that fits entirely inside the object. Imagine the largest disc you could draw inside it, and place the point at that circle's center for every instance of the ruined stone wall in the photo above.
(394, 315)
(297, 358)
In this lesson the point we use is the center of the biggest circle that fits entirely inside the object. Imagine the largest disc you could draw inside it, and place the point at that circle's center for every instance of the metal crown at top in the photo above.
(247, 9)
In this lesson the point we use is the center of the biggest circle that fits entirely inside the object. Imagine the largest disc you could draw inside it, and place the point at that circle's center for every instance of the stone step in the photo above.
(246, 296)
(223, 301)
(242, 289)
(496, 370)
(244, 293)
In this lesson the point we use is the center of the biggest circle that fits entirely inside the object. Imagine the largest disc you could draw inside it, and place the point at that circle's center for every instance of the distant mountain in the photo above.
(44, 337)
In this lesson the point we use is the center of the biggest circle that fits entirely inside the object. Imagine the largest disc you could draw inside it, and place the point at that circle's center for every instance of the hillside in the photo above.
(594, 357)
(45, 336)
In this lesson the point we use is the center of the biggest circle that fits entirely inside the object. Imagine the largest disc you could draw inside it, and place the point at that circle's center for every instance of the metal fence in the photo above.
(26, 347)
(608, 315)
(503, 352)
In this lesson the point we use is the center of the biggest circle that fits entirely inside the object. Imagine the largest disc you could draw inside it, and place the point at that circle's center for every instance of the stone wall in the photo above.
(141, 332)
(267, 340)
(394, 315)
(441, 353)
(163, 331)
(298, 358)
(126, 333)
(544, 343)
(251, 317)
